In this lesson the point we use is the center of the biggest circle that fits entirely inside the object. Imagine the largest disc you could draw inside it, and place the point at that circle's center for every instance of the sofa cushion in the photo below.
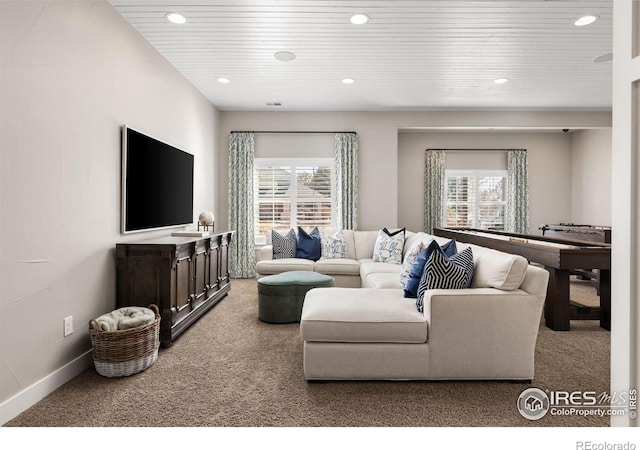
(333, 245)
(497, 269)
(308, 245)
(441, 272)
(389, 246)
(369, 267)
(413, 239)
(369, 315)
(273, 266)
(364, 242)
(410, 289)
(382, 280)
(284, 246)
(342, 266)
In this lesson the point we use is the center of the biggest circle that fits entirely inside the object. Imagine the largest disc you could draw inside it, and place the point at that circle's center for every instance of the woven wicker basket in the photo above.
(124, 352)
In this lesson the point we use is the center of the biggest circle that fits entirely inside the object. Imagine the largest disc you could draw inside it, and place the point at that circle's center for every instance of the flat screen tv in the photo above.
(157, 184)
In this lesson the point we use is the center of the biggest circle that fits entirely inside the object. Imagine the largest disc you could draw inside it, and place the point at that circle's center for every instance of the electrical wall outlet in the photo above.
(68, 325)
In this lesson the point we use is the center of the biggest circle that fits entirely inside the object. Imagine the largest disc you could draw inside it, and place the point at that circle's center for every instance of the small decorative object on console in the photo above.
(205, 219)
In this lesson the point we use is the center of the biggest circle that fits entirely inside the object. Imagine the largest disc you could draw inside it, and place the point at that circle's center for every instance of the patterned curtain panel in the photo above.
(242, 255)
(346, 158)
(517, 192)
(433, 189)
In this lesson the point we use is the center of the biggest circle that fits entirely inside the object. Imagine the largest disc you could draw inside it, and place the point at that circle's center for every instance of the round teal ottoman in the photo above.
(280, 297)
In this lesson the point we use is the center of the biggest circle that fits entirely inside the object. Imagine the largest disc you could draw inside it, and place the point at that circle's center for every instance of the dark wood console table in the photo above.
(183, 276)
(559, 257)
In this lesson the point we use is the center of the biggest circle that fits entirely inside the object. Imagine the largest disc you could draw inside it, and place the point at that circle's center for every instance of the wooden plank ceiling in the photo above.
(411, 55)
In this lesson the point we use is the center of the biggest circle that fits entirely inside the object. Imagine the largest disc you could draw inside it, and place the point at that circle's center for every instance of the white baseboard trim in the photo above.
(40, 389)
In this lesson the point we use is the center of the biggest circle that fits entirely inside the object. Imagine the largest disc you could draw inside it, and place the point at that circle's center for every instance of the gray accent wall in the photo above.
(392, 145)
(569, 173)
(591, 177)
(72, 74)
(549, 155)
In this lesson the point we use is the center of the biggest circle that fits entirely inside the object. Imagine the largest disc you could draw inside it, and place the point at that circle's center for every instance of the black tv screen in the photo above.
(157, 183)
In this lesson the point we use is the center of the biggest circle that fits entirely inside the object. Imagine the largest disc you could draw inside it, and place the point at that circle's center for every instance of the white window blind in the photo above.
(291, 193)
(476, 199)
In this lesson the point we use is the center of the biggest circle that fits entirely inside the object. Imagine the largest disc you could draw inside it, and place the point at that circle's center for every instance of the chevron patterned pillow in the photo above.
(284, 246)
(441, 272)
(412, 282)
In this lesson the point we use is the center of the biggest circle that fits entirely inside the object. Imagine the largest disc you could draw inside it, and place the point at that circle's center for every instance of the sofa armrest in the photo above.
(482, 333)
(264, 253)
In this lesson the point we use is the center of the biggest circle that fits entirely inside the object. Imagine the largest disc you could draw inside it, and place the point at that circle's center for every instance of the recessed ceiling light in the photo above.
(284, 56)
(176, 18)
(348, 81)
(223, 80)
(501, 80)
(603, 58)
(585, 20)
(359, 19)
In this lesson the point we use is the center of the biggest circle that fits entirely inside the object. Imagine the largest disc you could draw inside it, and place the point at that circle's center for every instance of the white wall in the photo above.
(72, 74)
(591, 177)
(386, 172)
(549, 155)
(287, 145)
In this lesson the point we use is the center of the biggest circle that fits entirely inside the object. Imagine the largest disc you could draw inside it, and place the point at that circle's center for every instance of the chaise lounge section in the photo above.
(462, 334)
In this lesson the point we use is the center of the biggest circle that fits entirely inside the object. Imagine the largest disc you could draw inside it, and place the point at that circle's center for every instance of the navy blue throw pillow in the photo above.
(413, 281)
(389, 233)
(309, 244)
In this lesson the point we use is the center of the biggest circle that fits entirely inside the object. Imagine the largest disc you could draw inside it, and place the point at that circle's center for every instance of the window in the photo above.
(476, 198)
(291, 193)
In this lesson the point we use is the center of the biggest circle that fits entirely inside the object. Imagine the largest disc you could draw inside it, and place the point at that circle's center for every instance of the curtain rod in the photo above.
(479, 149)
(296, 132)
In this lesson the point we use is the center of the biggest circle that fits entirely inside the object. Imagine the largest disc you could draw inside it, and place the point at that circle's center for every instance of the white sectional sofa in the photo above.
(345, 271)
(487, 331)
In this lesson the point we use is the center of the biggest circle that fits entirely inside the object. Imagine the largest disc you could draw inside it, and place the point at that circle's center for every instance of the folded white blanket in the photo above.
(125, 318)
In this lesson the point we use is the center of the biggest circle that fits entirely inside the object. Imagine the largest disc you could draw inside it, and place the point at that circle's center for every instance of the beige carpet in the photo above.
(231, 370)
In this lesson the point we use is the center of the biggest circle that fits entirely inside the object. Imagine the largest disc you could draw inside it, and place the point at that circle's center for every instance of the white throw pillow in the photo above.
(333, 245)
(389, 246)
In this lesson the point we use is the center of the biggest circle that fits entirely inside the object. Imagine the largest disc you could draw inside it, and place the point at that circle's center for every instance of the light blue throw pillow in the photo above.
(333, 246)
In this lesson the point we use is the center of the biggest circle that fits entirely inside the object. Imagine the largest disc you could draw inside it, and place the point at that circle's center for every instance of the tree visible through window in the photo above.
(291, 193)
(476, 199)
